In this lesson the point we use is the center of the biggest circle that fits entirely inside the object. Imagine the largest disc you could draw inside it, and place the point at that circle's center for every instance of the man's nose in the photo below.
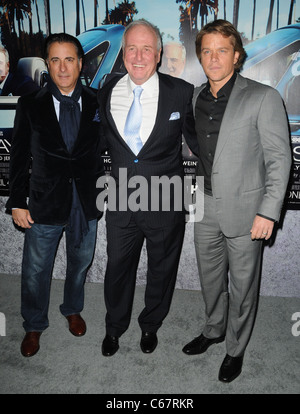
(139, 54)
(214, 55)
(62, 66)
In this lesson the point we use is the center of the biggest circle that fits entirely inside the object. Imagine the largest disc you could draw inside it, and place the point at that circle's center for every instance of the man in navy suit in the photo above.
(165, 113)
(12, 84)
(56, 131)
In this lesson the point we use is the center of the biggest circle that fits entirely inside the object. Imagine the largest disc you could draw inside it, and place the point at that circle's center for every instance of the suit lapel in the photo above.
(48, 116)
(165, 99)
(88, 112)
(230, 115)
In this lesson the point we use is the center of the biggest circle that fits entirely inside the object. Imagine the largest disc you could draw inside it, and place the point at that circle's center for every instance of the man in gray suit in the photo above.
(245, 160)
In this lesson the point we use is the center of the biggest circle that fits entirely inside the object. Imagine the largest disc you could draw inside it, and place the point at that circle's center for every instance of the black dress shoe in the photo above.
(231, 368)
(200, 345)
(148, 342)
(110, 345)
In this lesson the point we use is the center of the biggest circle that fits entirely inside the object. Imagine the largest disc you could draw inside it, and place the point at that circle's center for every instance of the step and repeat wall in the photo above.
(271, 37)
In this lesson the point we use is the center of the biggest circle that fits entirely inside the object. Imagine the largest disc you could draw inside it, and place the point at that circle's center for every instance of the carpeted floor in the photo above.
(69, 365)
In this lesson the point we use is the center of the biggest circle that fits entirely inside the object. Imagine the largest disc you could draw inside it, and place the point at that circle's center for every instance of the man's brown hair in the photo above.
(226, 29)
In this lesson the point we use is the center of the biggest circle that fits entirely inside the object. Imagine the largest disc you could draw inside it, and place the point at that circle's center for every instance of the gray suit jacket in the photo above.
(253, 157)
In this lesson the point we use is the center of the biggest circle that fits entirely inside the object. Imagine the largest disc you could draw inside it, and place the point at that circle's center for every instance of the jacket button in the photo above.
(136, 160)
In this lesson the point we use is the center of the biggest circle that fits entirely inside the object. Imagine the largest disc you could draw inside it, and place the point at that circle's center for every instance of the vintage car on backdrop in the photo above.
(102, 53)
(273, 59)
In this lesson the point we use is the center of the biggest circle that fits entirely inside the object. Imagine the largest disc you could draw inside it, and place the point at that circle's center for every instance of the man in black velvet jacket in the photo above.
(56, 132)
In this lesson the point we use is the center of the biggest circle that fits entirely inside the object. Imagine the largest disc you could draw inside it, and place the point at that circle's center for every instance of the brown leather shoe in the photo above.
(77, 326)
(30, 344)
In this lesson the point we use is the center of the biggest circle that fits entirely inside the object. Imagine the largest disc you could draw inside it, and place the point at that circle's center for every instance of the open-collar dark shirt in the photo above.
(209, 113)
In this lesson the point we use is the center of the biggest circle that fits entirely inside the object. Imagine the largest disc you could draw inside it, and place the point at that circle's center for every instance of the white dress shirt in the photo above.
(122, 98)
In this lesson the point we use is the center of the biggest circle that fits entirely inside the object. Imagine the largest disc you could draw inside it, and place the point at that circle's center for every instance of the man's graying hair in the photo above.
(5, 52)
(143, 22)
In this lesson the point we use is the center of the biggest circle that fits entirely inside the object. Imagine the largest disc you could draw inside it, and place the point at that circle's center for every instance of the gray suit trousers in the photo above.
(229, 270)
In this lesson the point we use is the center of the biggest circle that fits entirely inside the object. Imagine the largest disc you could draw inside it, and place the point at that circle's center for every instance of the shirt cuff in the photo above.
(268, 218)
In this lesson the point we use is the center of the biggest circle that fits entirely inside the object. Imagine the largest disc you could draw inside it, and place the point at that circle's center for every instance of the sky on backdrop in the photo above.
(165, 14)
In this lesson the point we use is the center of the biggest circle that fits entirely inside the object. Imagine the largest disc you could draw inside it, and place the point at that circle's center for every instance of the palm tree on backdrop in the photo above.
(95, 13)
(270, 18)
(253, 19)
(38, 44)
(291, 12)
(189, 11)
(106, 11)
(29, 16)
(17, 11)
(224, 7)
(14, 11)
(235, 18)
(77, 30)
(83, 12)
(201, 8)
(47, 17)
(122, 14)
(38, 14)
(187, 31)
(63, 15)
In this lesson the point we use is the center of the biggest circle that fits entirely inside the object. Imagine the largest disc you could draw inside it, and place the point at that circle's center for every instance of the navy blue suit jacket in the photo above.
(162, 153)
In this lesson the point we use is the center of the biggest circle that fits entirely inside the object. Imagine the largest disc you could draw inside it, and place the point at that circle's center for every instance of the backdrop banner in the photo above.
(270, 31)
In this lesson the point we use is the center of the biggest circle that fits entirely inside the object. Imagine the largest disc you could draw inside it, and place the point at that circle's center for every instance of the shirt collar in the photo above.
(226, 89)
(149, 86)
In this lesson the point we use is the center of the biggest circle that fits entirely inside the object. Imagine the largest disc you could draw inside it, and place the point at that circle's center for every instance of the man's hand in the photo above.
(22, 218)
(262, 228)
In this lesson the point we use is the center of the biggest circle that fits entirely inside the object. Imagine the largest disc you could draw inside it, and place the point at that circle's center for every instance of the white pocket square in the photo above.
(174, 116)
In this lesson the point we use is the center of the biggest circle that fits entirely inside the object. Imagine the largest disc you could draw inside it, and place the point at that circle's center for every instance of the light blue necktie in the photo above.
(133, 122)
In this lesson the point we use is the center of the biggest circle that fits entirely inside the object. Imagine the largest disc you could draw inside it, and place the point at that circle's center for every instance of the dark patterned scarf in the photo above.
(69, 121)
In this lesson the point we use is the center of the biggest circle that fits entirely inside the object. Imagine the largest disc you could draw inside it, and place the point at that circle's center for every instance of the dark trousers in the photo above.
(124, 246)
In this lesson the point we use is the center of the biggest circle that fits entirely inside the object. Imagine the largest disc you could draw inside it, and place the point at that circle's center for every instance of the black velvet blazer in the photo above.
(37, 143)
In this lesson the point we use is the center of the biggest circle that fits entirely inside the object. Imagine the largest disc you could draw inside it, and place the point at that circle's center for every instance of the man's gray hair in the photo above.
(143, 22)
(3, 50)
(180, 46)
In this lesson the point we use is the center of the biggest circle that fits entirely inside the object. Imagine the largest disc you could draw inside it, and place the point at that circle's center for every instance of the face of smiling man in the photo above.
(64, 66)
(140, 53)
